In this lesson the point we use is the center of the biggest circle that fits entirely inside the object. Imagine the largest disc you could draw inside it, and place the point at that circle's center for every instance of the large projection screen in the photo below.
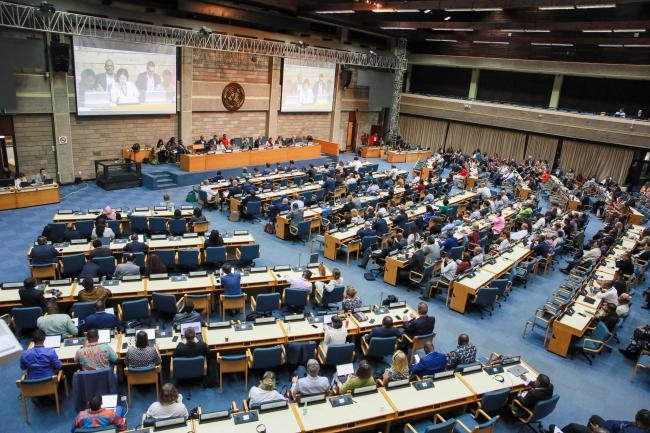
(117, 78)
(307, 87)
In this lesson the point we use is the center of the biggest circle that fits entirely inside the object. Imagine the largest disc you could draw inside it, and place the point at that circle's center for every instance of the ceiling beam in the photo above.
(572, 26)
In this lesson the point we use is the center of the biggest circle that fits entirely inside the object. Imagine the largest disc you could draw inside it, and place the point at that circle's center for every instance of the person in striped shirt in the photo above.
(96, 416)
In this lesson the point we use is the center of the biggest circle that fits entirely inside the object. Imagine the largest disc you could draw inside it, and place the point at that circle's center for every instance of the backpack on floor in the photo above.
(269, 228)
(234, 216)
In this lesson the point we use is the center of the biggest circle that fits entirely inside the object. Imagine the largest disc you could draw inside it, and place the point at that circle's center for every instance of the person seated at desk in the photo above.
(170, 404)
(351, 300)
(127, 268)
(296, 215)
(590, 255)
(92, 292)
(211, 193)
(30, 296)
(201, 140)
(431, 251)
(135, 246)
(449, 241)
(334, 334)
(251, 197)
(639, 342)
(464, 263)
(362, 377)
(413, 236)
(39, 361)
(300, 281)
(101, 319)
(519, 234)
(190, 347)
(20, 178)
(607, 292)
(154, 265)
(96, 416)
(188, 315)
(540, 248)
(540, 389)
(398, 370)
(267, 167)
(385, 330)
(625, 264)
(474, 237)
(265, 392)
(432, 362)
(108, 213)
(380, 226)
(93, 355)
(225, 142)
(142, 355)
(214, 240)
(214, 141)
(464, 353)
(43, 253)
(56, 323)
(306, 380)
(167, 202)
(623, 308)
(71, 233)
(99, 250)
(608, 316)
(502, 243)
(596, 424)
(415, 263)
(275, 209)
(422, 324)
(102, 231)
(366, 230)
(401, 218)
(197, 216)
(337, 280)
(477, 258)
(230, 281)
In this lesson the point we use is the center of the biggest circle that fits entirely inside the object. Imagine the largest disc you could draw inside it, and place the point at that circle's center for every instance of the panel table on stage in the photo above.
(12, 197)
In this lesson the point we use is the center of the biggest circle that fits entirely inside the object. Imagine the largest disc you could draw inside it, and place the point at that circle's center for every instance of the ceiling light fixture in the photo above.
(492, 42)
(597, 31)
(610, 45)
(379, 11)
(441, 40)
(447, 18)
(458, 10)
(453, 30)
(487, 9)
(555, 8)
(342, 11)
(597, 6)
(397, 28)
(427, 11)
(637, 46)
(628, 30)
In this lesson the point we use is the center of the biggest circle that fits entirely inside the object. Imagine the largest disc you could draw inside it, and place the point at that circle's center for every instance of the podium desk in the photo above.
(188, 285)
(137, 156)
(407, 155)
(374, 317)
(275, 421)
(167, 244)
(446, 393)
(567, 327)
(37, 195)
(367, 410)
(372, 152)
(481, 382)
(228, 338)
(66, 353)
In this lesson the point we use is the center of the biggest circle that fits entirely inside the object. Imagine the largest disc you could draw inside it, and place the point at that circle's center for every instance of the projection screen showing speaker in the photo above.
(307, 87)
(117, 78)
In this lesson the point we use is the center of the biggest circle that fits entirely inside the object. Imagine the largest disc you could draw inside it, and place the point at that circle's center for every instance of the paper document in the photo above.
(344, 369)
(110, 310)
(52, 341)
(109, 401)
(104, 336)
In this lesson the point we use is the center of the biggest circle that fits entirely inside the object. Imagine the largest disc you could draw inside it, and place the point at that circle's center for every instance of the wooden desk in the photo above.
(447, 393)
(302, 330)
(568, 327)
(166, 244)
(368, 410)
(281, 276)
(254, 280)
(188, 285)
(239, 158)
(408, 155)
(91, 216)
(275, 421)
(138, 156)
(523, 193)
(127, 289)
(66, 353)
(11, 298)
(396, 313)
(481, 382)
(12, 198)
(462, 289)
(260, 335)
(372, 152)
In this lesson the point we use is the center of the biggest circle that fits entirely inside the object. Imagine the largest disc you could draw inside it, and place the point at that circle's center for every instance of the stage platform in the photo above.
(156, 177)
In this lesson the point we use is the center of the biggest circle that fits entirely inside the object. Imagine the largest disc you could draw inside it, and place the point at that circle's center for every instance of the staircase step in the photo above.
(166, 184)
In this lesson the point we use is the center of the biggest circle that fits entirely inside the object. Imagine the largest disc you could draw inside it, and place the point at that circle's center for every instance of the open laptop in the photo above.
(194, 325)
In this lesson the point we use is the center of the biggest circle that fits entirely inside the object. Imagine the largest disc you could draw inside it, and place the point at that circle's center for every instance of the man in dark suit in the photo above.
(385, 330)
(100, 319)
(42, 253)
(190, 347)
(135, 246)
(401, 218)
(421, 325)
(148, 81)
(99, 250)
(366, 230)
(380, 226)
(415, 263)
(329, 184)
(29, 296)
(107, 79)
(541, 389)
(71, 233)
(625, 264)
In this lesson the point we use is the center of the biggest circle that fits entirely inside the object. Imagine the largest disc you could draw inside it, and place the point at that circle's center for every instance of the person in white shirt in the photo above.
(311, 383)
(170, 404)
(504, 200)
(503, 241)
(447, 274)
(337, 280)
(607, 293)
(620, 113)
(478, 257)
(123, 88)
(372, 188)
(335, 333)
(623, 308)
(205, 186)
(589, 256)
(356, 163)
(520, 234)
(300, 203)
(266, 391)
(539, 224)
(484, 191)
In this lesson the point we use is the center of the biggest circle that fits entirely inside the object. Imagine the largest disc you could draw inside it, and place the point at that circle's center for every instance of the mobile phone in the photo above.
(124, 346)
(372, 320)
(398, 317)
(175, 339)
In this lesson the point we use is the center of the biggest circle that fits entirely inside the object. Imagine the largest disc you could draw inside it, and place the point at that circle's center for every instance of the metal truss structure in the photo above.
(393, 122)
(33, 18)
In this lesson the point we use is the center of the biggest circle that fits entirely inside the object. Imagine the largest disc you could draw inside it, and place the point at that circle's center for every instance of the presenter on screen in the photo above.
(123, 88)
(108, 78)
(319, 88)
(148, 81)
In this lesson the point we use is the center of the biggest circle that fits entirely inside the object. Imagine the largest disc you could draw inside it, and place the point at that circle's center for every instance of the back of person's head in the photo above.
(134, 237)
(29, 283)
(642, 419)
(350, 291)
(99, 231)
(423, 308)
(543, 380)
(463, 339)
(400, 362)
(428, 347)
(197, 212)
(41, 240)
(189, 307)
(92, 335)
(99, 305)
(313, 367)
(268, 381)
(336, 273)
(417, 244)
(88, 284)
(168, 394)
(130, 257)
(97, 243)
(177, 213)
(227, 268)
(190, 333)
(307, 274)
(337, 323)
(214, 235)
(165, 197)
(387, 321)
(69, 226)
(363, 370)
(38, 336)
(141, 339)
(294, 206)
(95, 402)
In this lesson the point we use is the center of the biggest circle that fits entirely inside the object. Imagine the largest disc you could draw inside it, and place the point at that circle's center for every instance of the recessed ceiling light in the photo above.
(637, 46)
(379, 11)
(628, 30)
(492, 42)
(427, 11)
(447, 18)
(537, 31)
(343, 11)
(597, 31)
(610, 45)
(453, 30)
(441, 40)
(555, 8)
(597, 6)
(397, 28)
(458, 10)
(487, 9)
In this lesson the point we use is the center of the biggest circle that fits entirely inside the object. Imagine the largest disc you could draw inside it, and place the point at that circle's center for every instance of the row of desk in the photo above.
(407, 155)
(243, 158)
(13, 198)
(375, 410)
(67, 216)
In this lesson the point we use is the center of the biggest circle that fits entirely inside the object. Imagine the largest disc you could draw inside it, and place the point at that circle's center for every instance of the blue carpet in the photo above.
(603, 388)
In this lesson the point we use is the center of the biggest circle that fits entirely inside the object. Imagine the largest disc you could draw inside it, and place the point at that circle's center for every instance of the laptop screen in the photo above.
(195, 325)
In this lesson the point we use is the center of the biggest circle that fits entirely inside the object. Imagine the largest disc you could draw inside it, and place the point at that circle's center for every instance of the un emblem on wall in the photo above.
(233, 96)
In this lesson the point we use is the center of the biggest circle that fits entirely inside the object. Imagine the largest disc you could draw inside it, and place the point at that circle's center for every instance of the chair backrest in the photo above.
(368, 241)
(303, 228)
(138, 223)
(56, 231)
(486, 295)
(381, 346)
(443, 427)
(86, 383)
(82, 310)
(295, 297)
(139, 259)
(428, 271)
(115, 225)
(73, 264)
(164, 303)
(168, 257)
(188, 257)
(494, 401)
(106, 265)
(601, 333)
(133, 310)
(178, 226)
(338, 354)
(188, 368)
(85, 227)
(544, 408)
(253, 208)
(487, 426)
(456, 252)
(267, 357)
(25, 317)
(249, 252)
(335, 296)
(267, 302)
(215, 254)
(157, 225)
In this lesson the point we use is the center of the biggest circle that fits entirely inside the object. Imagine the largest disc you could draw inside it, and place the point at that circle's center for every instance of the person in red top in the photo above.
(546, 176)
(98, 417)
(224, 141)
(363, 139)
(463, 172)
(373, 139)
(464, 263)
